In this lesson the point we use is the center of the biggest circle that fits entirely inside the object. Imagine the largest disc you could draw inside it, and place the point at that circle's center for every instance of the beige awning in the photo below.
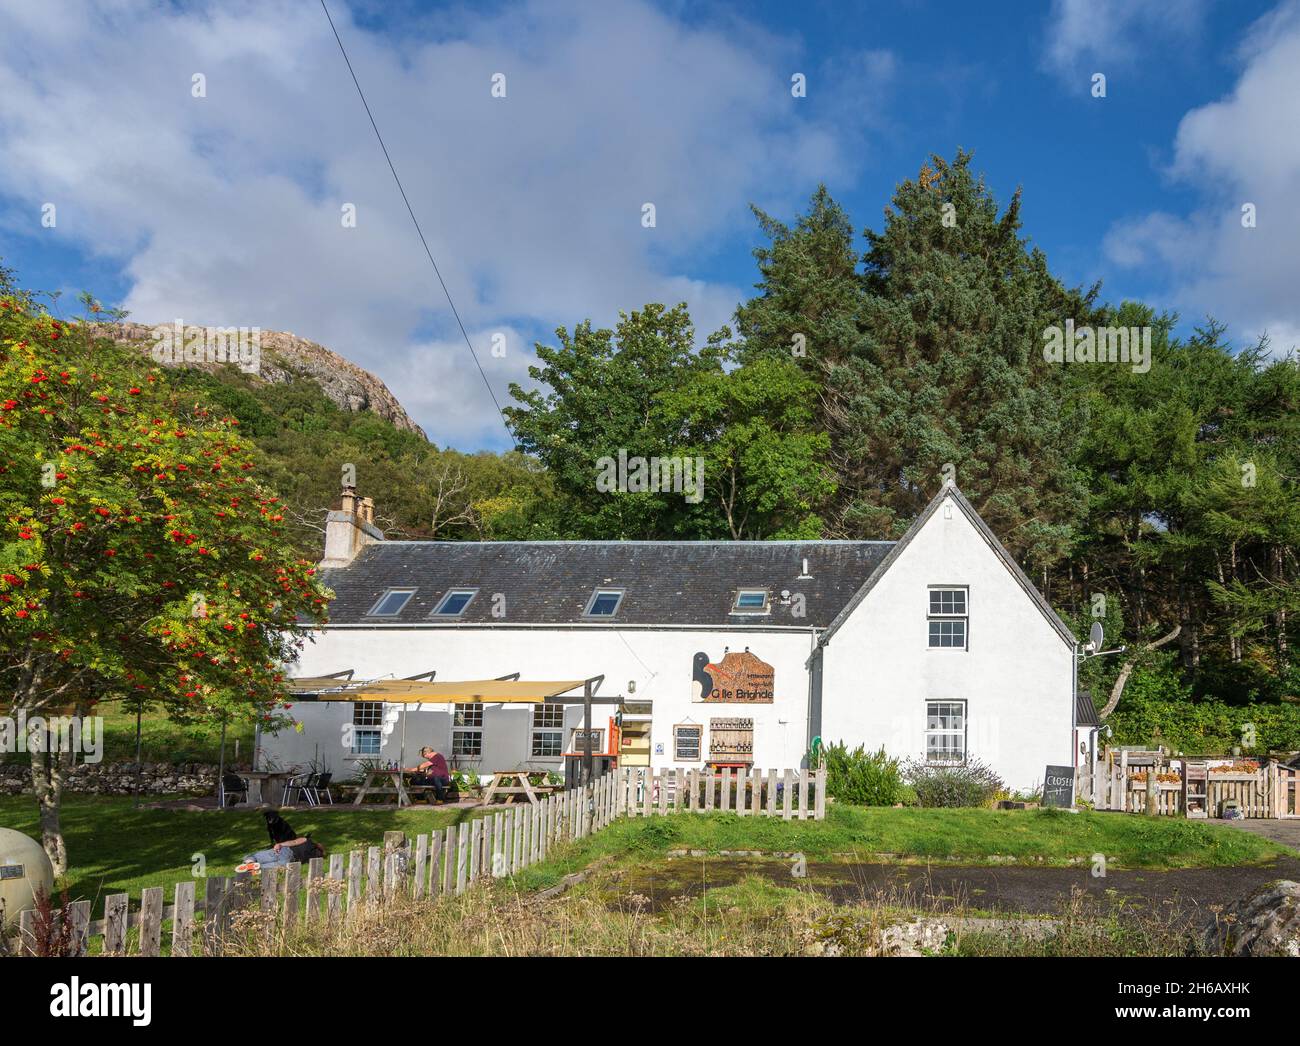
(414, 691)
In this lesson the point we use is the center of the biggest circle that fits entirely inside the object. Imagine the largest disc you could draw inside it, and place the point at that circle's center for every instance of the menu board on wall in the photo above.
(731, 740)
(686, 742)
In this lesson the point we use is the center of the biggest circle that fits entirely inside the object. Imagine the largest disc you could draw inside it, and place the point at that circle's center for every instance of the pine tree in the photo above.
(950, 371)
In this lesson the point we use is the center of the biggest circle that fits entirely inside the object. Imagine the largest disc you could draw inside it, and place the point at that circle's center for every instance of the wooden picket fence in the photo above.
(1272, 792)
(446, 862)
(788, 794)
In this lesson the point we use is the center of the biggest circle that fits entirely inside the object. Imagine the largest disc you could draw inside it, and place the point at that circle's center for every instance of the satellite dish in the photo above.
(1095, 636)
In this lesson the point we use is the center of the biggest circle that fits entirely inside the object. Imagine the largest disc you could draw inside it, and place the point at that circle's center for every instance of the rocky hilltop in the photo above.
(284, 357)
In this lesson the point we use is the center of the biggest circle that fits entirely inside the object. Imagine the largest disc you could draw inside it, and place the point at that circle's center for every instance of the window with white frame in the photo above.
(945, 732)
(548, 731)
(948, 616)
(604, 602)
(367, 727)
(467, 730)
(751, 601)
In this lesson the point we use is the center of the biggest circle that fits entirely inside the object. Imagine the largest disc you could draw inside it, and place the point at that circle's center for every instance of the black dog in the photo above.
(278, 828)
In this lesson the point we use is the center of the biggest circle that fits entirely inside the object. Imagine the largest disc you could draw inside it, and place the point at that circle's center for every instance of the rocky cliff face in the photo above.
(284, 357)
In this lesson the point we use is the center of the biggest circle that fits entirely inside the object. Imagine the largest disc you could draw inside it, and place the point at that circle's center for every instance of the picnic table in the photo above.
(265, 786)
(510, 783)
(394, 785)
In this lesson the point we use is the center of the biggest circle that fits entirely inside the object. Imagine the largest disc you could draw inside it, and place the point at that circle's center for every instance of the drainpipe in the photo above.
(811, 728)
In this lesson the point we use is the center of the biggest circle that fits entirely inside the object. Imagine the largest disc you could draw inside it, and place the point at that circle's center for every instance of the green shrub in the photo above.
(971, 784)
(1158, 707)
(861, 777)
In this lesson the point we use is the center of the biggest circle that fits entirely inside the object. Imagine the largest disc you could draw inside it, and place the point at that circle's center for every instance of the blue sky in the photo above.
(225, 208)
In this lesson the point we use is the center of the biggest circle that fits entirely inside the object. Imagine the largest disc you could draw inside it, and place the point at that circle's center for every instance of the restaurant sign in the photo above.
(740, 677)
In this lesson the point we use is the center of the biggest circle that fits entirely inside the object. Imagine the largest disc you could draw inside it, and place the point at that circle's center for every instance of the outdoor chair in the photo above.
(320, 787)
(300, 783)
(233, 789)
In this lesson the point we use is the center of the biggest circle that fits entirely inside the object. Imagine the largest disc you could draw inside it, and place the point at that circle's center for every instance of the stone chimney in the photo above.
(349, 528)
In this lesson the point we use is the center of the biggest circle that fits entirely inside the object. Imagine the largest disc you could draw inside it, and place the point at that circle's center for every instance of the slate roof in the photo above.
(1085, 712)
(551, 582)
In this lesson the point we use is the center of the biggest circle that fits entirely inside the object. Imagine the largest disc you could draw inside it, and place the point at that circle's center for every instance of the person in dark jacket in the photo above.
(432, 771)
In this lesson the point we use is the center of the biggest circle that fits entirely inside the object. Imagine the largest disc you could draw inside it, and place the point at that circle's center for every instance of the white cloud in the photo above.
(226, 209)
(1243, 149)
(1090, 36)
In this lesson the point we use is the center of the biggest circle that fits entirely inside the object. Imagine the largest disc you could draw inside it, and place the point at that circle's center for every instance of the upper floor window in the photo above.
(390, 604)
(604, 602)
(454, 602)
(948, 618)
(750, 601)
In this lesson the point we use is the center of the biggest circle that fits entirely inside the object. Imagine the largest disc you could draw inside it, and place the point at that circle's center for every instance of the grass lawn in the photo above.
(1047, 837)
(115, 848)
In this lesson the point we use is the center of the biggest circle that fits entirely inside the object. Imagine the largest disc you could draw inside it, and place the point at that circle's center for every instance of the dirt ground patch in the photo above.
(1188, 892)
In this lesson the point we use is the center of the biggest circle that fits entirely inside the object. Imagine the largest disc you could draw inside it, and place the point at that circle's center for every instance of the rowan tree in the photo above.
(139, 554)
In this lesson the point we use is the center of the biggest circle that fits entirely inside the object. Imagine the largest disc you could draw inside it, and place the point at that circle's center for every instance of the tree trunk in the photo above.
(1121, 681)
(48, 770)
(1279, 620)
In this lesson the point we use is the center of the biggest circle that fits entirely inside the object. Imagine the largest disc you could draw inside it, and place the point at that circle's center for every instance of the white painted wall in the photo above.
(1016, 676)
(879, 671)
(658, 661)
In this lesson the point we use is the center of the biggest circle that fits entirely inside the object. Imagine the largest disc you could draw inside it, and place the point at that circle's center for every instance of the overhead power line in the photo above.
(416, 222)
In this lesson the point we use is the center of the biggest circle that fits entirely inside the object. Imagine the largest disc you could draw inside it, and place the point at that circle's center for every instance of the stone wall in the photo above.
(120, 779)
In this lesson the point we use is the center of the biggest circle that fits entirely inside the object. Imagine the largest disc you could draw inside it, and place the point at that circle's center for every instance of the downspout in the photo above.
(813, 725)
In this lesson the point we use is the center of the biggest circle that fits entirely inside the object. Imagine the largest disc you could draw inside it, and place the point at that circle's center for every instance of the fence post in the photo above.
(292, 880)
(374, 874)
(115, 924)
(151, 908)
(315, 872)
(421, 860)
(449, 860)
(819, 813)
(214, 894)
(354, 879)
(182, 919)
(475, 844)
(334, 902)
(462, 857)
(1153, 791)
(435, 871)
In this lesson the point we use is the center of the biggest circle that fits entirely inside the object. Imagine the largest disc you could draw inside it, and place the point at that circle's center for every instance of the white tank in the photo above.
(24, 869)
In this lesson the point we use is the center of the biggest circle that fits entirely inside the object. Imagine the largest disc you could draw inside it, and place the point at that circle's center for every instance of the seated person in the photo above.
(302, 849)
(431, 771)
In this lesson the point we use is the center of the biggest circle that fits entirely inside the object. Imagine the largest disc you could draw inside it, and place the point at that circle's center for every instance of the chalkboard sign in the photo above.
(686, 742)
(1058, 786)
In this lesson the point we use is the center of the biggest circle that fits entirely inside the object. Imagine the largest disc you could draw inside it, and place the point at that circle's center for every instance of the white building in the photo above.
(937, 647)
